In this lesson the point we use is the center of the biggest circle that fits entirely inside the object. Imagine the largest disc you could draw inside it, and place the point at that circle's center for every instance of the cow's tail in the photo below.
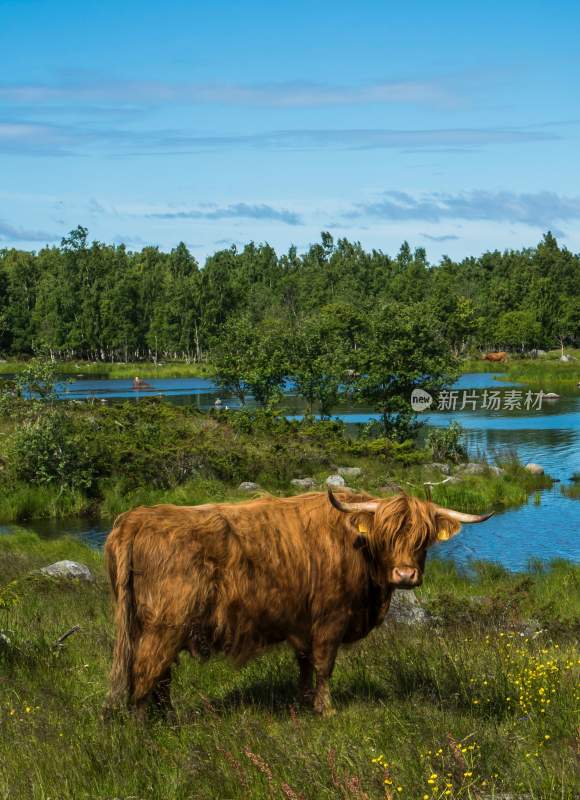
(119, 555)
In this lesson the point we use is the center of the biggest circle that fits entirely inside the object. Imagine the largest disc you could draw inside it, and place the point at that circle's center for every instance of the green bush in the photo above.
(445, 443)
(48, 449)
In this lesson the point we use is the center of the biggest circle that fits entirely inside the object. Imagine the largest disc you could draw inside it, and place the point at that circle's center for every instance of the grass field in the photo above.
(475, 705)
(547, 373)
(107, 369)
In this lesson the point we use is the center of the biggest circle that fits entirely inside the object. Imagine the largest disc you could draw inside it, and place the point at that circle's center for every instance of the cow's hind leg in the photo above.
(156, 651)
(161, 694)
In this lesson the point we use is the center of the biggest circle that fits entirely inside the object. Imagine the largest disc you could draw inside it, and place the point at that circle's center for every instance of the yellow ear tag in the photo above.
(443, 536)
(363, 527)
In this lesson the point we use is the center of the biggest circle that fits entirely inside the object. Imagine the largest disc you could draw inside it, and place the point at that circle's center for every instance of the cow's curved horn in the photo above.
(459, 516)
(368, 505)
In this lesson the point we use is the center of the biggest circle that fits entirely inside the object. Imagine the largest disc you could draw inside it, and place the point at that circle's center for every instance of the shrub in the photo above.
(48, 449)
(445, 443)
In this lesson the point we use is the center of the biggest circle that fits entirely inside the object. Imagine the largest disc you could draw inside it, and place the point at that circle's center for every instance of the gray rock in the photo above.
(566, 358)
(551, 396)
(4, 640)
(443, 468)
(531, 628)
(68, 569)
(248, 486)
(350, 472)
(390, 487)
(496, 470)
(535, 469)
(335, 481)
(303, 483)
(477, 599)
(477, 468)
(405, 609)
(472, 468)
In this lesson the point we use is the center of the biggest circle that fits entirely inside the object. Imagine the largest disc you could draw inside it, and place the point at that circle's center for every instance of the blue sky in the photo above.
(453, 125)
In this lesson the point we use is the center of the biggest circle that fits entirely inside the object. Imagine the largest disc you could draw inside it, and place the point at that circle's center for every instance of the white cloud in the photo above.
(12, 233)
(539, 209)
(289, 94)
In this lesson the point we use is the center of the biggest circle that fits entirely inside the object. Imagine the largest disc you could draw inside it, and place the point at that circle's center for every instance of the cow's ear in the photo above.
(363, 527)
(446, 528)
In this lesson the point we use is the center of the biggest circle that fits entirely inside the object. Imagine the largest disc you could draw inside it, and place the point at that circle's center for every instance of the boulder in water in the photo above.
(535, 469)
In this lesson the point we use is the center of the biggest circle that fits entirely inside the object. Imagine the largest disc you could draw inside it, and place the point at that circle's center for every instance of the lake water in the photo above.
(549, 436)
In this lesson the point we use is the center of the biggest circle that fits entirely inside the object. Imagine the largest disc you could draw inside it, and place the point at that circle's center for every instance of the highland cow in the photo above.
(315, 571)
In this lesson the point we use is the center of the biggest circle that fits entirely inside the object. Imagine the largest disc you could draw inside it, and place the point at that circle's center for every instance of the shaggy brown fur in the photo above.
(238, 578)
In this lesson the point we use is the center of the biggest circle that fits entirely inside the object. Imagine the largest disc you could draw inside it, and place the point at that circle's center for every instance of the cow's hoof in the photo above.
(111, 712)
(325, 711)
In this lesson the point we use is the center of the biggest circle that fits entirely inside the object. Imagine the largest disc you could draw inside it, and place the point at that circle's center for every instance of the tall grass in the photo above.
(116, 499)
(481, 493)
(461, 700)
(572, 490)
(479, 365)
(546, 373)
(24, 501)
(144, 369)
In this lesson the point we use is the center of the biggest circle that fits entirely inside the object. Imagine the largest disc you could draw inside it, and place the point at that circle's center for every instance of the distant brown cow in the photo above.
(500, 356)
(314, 570)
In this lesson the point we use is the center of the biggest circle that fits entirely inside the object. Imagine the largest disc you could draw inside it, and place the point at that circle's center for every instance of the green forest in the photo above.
(101, 302)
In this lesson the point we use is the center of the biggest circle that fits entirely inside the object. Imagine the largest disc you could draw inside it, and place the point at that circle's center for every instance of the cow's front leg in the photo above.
(324, 656)
(305, 677)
